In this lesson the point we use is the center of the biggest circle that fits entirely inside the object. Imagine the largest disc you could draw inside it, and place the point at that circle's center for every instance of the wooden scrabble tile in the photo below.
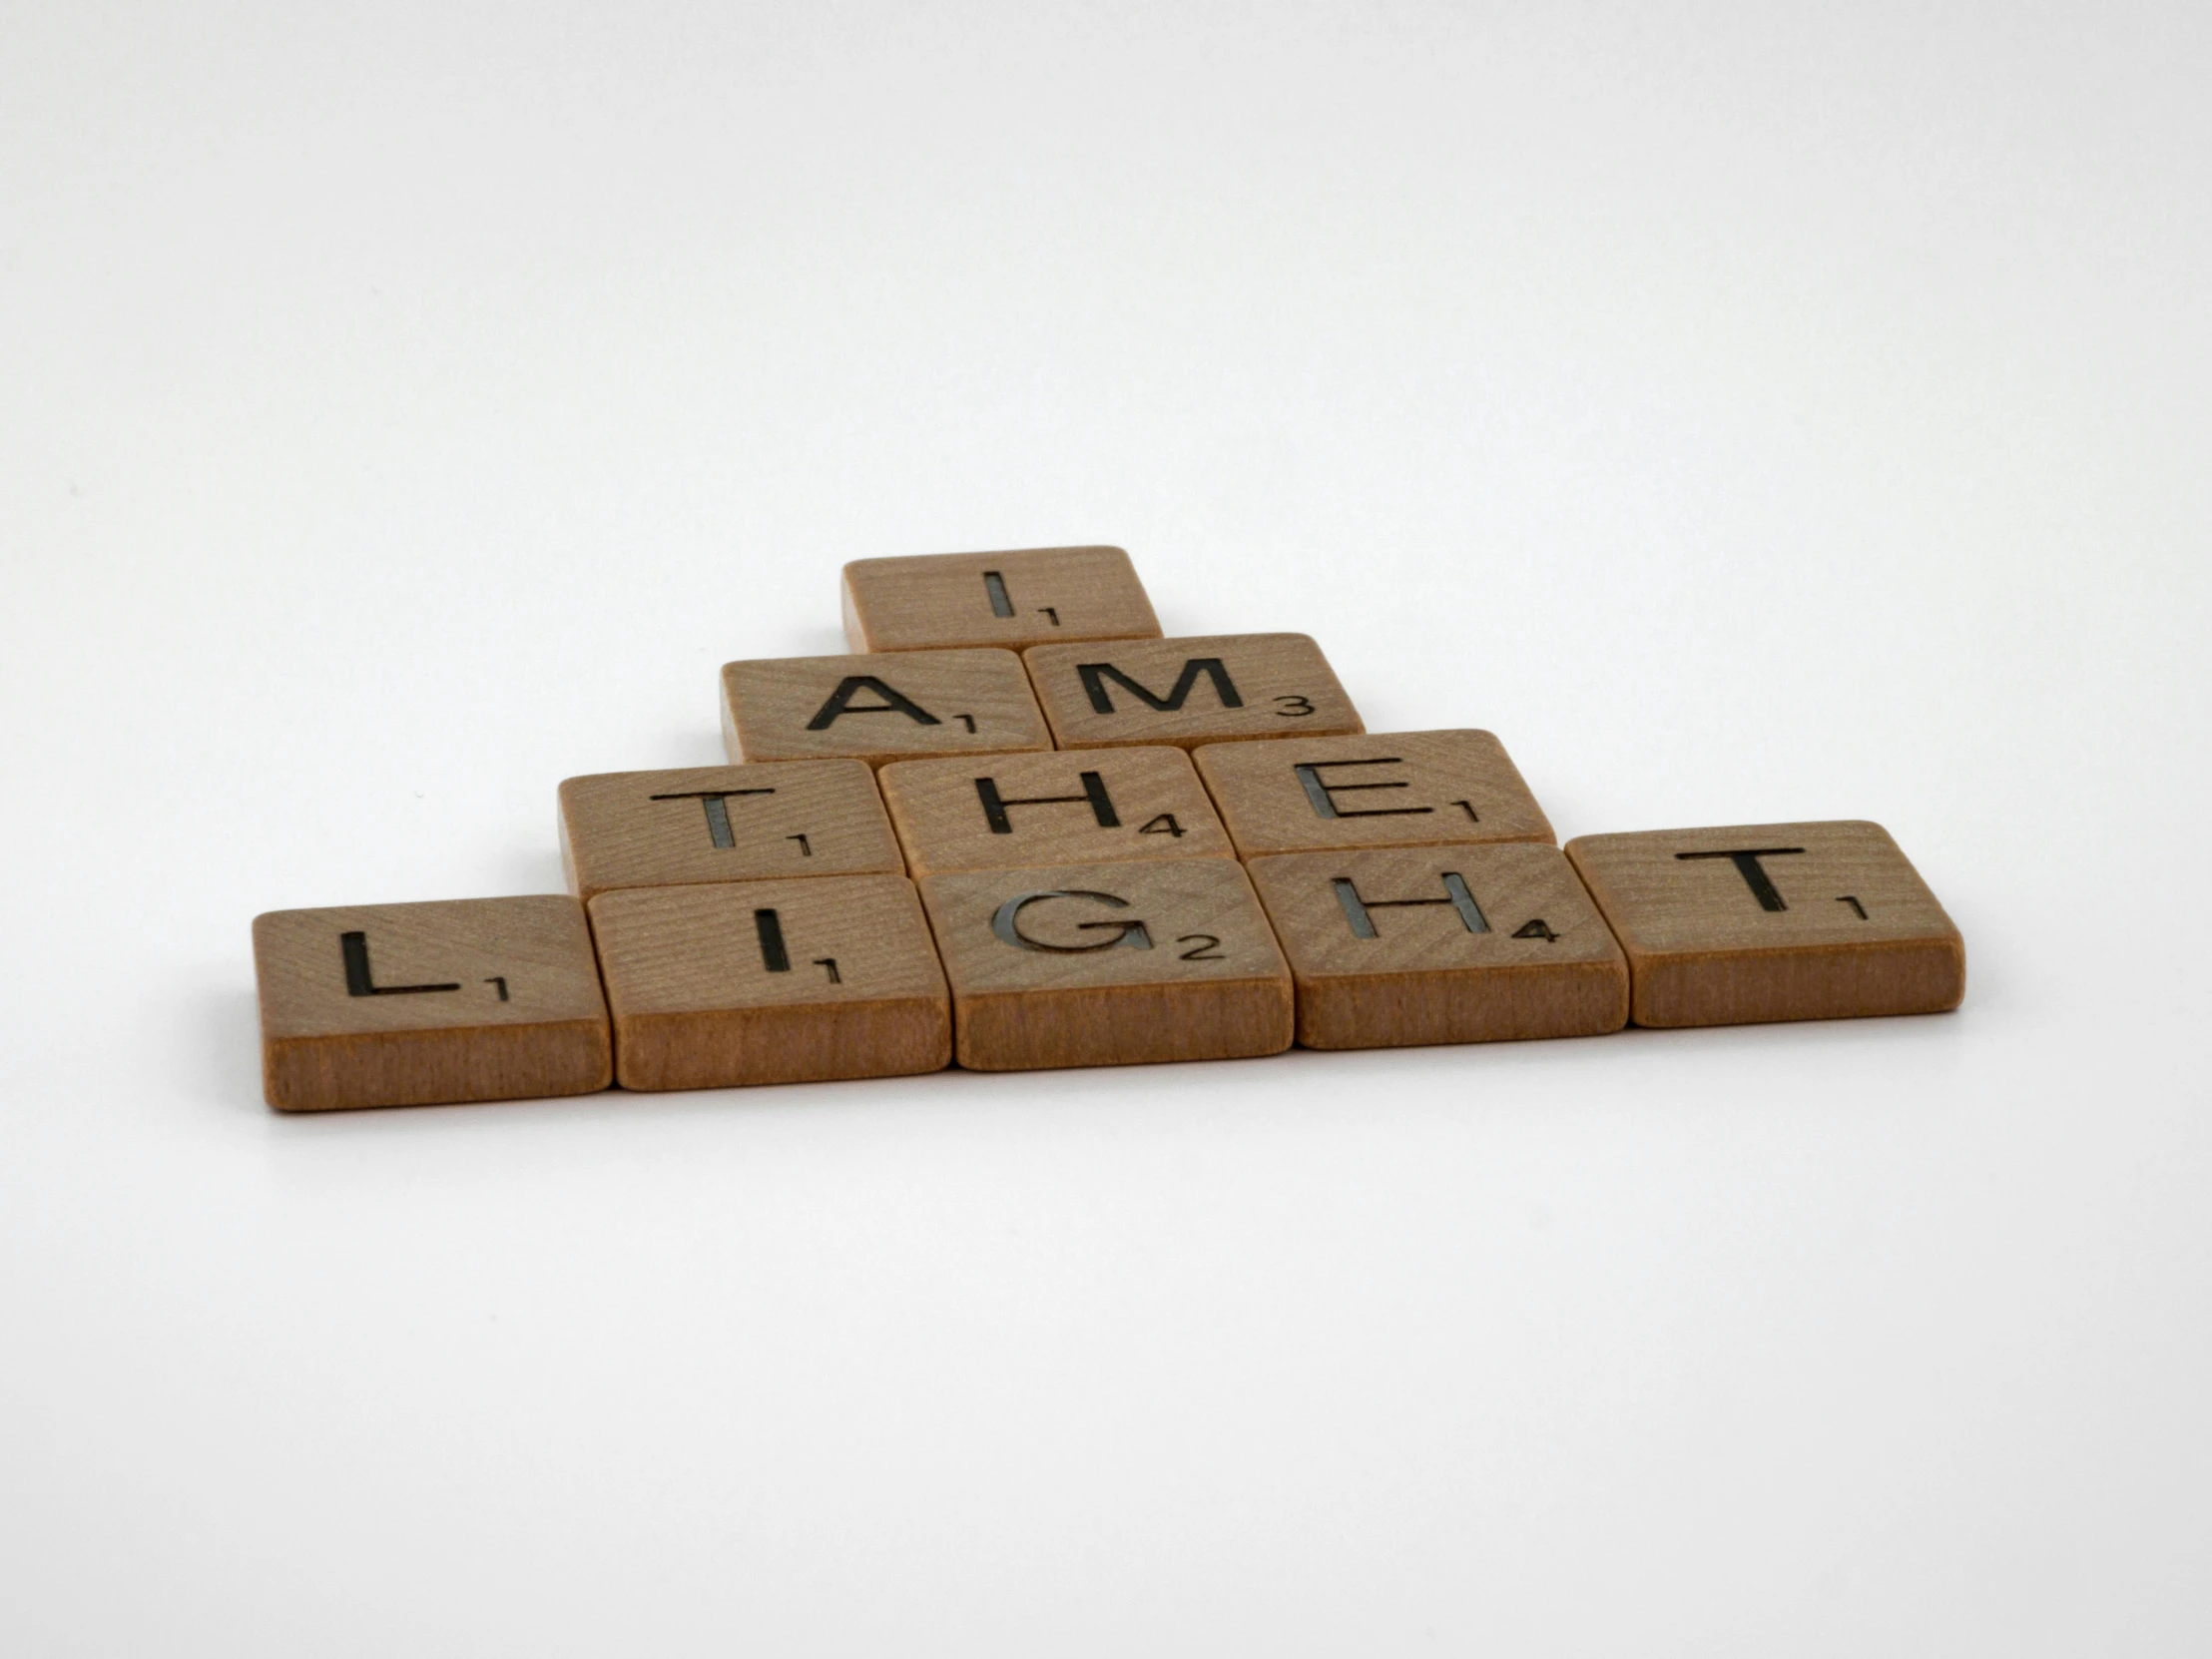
(1768, 921)
(1013, 599)
(1206, 688)
(1395, 788)
(771, 982)
(892, 706)
(419, 1005)
(1109, 964)
(1441, 944)
(1092, 806)
(723, 824)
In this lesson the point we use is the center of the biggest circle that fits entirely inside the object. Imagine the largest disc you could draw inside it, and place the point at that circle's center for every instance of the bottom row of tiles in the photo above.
(786, 981)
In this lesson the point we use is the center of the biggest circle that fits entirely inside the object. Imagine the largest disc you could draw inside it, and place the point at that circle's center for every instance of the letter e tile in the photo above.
(1388, 788)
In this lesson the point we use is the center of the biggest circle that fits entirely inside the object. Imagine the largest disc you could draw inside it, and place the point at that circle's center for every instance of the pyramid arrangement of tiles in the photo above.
(1016, 827)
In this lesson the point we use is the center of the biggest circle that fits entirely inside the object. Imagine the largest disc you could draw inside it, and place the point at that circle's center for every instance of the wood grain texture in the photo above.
(1209, 688)
(723, 824)
(889, 705)
(707, 992)
(1389, 789)
(1093, 806)
(1072, 989)
(1025, 597)
(1399, 961)
(1769, 922)
(426, 1004)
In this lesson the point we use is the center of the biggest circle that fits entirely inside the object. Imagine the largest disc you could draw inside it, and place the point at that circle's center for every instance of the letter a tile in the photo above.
(1768, 921)
(1013, 599)
(889, 705)
(1209, 689)
(1391, 788)
(423, 1004)
(1443, 945)
(771, 982)
(1109, 964)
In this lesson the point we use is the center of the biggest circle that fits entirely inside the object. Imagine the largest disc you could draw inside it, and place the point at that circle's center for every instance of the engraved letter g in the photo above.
(1006, 924)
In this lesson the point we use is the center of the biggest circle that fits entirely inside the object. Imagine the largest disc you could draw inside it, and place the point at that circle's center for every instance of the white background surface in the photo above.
(1750, 414)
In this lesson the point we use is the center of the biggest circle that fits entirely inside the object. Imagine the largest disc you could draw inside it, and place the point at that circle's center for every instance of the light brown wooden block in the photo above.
(1392, 789)
(1109, 964)
(771, 982)
(1012, 599)
(1441, 944)
(892, 706)
(1766, 921)
(1209, 688)
(1091, 805)
(723, 824)
(422, 1005)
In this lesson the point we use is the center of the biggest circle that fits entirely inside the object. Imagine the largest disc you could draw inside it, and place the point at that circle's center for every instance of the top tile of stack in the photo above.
(1030, 596)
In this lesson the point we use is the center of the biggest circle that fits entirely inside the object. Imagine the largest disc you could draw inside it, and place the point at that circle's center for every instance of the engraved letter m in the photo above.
(1095, 676)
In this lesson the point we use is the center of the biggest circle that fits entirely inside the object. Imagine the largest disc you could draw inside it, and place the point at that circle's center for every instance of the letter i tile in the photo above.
(1022, 597)
(788, 981)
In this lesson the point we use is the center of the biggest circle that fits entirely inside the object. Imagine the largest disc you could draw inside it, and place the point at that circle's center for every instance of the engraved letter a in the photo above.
(840, 702)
